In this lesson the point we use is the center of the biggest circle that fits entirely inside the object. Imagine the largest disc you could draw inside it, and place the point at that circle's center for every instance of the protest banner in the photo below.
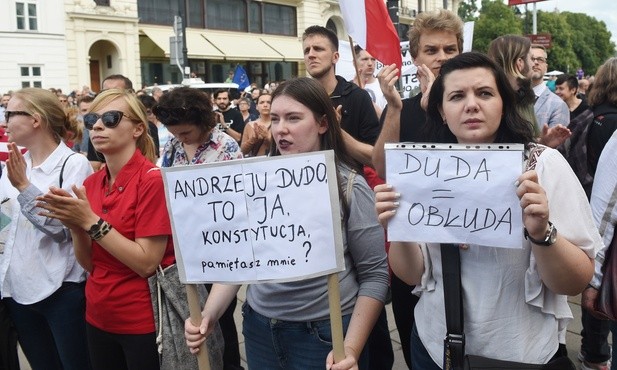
(257, 219)
(456, 193)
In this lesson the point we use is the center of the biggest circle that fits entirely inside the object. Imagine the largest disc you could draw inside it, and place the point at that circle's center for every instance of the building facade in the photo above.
(82, 41)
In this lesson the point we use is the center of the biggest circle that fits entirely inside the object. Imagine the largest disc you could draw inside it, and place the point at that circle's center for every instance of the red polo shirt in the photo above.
(117, 298)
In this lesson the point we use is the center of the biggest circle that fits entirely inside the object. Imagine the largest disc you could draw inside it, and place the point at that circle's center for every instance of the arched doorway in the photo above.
(104, 61)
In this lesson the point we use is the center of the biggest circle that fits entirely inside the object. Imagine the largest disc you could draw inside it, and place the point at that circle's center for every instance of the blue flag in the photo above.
(241, 78)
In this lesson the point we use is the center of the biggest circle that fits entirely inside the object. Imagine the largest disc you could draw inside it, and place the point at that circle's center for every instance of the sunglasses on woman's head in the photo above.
(164, 113)
(110, 118)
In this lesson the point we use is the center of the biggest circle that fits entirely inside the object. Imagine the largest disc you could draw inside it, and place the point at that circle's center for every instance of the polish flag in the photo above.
(369, 24)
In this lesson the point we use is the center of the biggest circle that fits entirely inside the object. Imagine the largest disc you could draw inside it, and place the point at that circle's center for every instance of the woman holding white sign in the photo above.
(286, 325)
(514, 300)
(121, 233)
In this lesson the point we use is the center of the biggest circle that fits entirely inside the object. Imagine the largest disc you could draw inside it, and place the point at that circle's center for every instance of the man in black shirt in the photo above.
(230, 119)
(434, 38)
(358, 117)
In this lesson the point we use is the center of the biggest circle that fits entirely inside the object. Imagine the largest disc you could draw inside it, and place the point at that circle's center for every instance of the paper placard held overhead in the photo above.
(255, 220)
(454, 193)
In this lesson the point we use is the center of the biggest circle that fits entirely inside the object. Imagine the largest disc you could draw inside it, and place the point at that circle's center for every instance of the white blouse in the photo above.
(509, 313)
(37, 255)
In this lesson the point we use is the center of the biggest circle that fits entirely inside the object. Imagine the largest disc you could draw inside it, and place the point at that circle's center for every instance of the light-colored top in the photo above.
(38, 253)
(508, 309)
(218, 147)
(549, 108)
(374, 90)
(604, 201)
(366, 272)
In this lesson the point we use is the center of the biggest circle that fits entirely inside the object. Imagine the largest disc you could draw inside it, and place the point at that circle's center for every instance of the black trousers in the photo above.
(8, 341)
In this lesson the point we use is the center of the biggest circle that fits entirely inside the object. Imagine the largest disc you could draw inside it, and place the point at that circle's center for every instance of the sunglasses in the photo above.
(9, 114)
(110, 118)
(164, 114)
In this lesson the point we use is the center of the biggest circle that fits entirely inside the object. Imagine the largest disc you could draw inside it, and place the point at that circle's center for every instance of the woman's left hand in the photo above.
(74, 212)
(349, 362)
(534, 203)
(16, 168)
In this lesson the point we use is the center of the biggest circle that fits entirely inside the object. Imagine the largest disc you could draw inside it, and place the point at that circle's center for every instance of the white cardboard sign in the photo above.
(454, 193)
(256, 220)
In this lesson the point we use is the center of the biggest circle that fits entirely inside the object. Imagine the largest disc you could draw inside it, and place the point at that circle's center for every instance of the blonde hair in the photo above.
(53, 117)
(440, 20)
(137, 113)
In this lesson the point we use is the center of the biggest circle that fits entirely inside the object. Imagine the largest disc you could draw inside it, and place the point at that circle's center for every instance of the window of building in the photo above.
(102, 2)
(279, 19)
(195, 11)
(157, 11)
(31, 76)
(226, 15)
(255, 20)
(26, 16)
(230, 15)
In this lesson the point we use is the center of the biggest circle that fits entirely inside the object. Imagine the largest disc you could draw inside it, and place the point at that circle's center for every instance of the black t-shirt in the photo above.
(234, 117)
(358, 116)
(580, 109)
(413, 121)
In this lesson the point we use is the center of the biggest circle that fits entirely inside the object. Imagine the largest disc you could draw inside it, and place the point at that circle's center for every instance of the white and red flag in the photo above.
(368, 23)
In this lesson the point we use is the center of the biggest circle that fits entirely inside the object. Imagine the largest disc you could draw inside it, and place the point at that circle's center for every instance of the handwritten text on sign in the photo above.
(253, 220)
(456, 194)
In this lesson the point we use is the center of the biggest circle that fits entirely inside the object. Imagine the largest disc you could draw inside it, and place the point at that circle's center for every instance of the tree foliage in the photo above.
(496, 19)
(578, 40)
(468, 10)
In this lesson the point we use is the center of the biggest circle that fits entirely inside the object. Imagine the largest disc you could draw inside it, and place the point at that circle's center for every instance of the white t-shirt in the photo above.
(509, 313)
(374, 90)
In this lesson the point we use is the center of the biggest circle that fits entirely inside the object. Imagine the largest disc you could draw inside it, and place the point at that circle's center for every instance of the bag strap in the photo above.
(454, 343)
(61, 180)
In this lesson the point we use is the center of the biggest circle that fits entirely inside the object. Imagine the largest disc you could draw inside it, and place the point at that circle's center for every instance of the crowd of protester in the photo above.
(84, 222)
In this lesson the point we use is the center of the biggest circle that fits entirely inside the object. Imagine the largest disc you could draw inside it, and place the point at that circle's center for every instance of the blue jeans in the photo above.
(52, 332)
(288, 345)
(594, 338)
(420, 358)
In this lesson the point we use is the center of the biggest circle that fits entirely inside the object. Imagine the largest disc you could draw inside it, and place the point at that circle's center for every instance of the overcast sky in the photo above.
(603, 10)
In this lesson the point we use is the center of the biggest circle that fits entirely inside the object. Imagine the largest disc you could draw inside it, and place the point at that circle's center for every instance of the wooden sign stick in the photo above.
(336, 318)
(203, 358)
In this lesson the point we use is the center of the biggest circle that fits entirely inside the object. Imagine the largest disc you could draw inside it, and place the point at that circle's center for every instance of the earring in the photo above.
(445, 123)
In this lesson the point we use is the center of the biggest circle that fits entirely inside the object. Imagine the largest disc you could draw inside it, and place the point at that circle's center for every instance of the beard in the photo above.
(319, 74)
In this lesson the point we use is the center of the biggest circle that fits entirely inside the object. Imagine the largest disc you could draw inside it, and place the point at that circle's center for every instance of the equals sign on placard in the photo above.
(442, 194)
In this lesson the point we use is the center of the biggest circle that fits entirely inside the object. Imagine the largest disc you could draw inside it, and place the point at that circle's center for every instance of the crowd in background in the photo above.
(106, 244)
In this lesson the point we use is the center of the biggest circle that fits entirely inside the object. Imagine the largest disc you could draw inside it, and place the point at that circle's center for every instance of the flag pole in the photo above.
(355, 65)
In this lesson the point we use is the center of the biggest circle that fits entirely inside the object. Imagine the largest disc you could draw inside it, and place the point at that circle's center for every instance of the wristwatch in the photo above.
(549, 239)
(99, 229)
(96, 228)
